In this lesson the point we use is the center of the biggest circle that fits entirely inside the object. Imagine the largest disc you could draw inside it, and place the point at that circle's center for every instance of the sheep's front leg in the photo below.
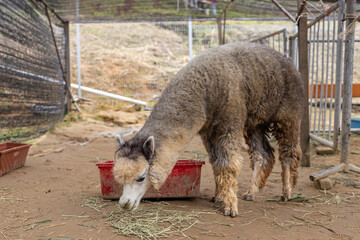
(225, 172)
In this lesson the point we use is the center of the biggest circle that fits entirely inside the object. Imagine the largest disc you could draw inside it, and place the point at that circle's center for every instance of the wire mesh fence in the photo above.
(32, 88)
(322, 65)
(276, 40)
(155, 10)
(325, 63)
(138, 59)
(324, 54)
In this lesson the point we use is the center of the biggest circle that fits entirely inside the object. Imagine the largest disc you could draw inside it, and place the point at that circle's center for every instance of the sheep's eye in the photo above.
(140, 179)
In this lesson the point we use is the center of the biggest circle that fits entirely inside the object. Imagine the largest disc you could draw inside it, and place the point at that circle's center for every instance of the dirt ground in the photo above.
(46, 199)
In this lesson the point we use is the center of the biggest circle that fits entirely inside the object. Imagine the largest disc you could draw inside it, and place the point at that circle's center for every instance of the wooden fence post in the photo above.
(303, 68)
(347, 85)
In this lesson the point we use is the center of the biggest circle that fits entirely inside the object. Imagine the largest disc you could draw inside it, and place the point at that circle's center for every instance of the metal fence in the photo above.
(325, 64)
(138, 59)
(276, 40)
(325, 59)
(325, 68)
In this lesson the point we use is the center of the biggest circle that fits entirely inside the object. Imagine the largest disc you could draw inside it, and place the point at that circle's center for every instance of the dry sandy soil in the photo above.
(47, 198)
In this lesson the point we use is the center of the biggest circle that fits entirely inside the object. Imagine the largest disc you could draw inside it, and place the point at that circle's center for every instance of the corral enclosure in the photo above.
(138, 59)
(134, 48)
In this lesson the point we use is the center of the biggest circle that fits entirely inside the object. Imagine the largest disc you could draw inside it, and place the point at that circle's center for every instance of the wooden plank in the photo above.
(327, 90)
(304, 70)
(327, 172)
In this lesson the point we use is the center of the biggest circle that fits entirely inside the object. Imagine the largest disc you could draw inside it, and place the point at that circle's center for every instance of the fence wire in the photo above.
(138, 59)
(155, 10)
(32, 89)
(276, 40)
(325, 61)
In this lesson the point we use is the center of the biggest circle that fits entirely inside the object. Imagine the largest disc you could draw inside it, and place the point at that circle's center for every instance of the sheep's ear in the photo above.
(120, 140)
(149, 148)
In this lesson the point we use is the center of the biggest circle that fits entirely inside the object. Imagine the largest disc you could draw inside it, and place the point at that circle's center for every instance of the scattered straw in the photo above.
(315, 222)
(327, 198)
(150, 221)
(73, 216)
(95, 203)
(215, 234)
(244, 213)
(224, 224)
(298, 198)
(6, 195)
(286, 224)
(154, 222)
(88, 226)
(56, 225)
(37, 223)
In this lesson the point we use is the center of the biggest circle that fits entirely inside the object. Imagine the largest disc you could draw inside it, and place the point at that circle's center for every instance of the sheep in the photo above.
(229, 93)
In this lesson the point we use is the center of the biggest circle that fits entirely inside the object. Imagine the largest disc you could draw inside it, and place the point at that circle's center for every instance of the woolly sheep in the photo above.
(226, 94)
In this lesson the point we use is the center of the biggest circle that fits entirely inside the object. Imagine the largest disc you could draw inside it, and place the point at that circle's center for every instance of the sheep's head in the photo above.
(132, 167)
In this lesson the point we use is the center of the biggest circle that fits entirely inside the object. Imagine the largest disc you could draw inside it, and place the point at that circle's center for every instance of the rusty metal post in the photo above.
(303, 68)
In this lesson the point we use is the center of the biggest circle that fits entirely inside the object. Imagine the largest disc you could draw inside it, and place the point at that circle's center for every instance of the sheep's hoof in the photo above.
(284, 198)
(230, 212)
(216, 200)
(248, 197)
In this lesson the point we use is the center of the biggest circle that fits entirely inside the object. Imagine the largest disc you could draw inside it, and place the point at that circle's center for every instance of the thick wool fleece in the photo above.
(235, 91)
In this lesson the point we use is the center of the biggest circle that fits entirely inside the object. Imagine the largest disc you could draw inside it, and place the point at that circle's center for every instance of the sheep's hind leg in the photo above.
(288, 135)
(262, 161)
(226, 163)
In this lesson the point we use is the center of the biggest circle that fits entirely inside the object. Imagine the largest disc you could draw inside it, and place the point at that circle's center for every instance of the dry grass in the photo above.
(152, 220)
(95, 203)
(7, 196)
(131, 59)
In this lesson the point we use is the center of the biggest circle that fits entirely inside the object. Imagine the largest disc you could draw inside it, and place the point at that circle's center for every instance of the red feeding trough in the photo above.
(183, 182)
(12, 156)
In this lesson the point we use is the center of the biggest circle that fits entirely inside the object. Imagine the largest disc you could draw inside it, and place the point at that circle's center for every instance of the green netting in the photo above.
(32, 88)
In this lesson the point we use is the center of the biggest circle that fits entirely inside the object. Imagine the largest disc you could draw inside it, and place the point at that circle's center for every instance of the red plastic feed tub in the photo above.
(183, 182)
(12, 156)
